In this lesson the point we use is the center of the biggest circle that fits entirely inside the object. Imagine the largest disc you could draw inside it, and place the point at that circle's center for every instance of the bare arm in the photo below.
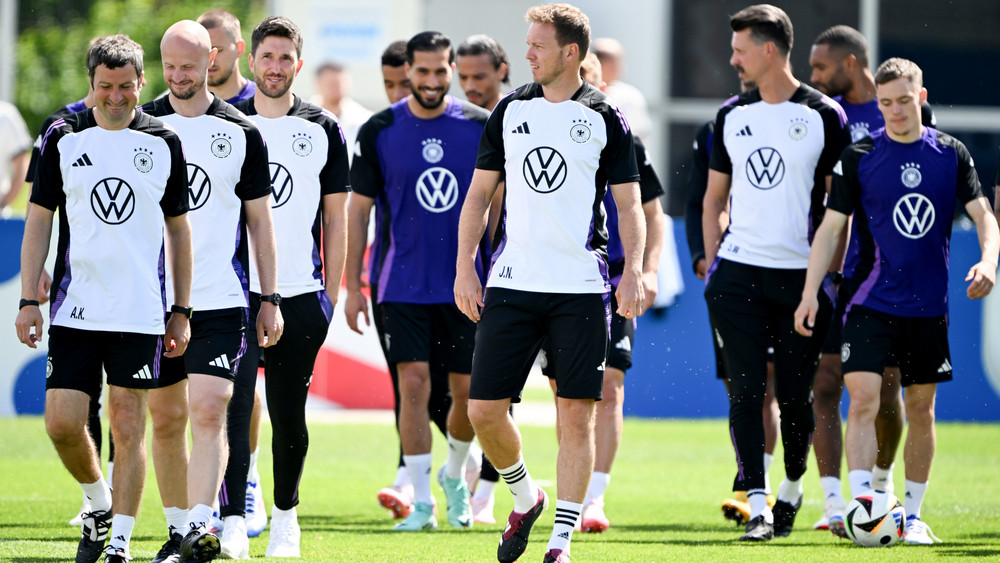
(19, 169)
(358, 212)
(824, 247)
(34, 250)
(178, 244)
(260, 227)
(471, 226)
(714, 205)
(983, 274)
(334, 242)
(496, 207)
(653, 212)
(632, 231)
(843, 237)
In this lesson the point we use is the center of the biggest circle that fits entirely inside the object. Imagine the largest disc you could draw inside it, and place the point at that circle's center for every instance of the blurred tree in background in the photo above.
(54, 35)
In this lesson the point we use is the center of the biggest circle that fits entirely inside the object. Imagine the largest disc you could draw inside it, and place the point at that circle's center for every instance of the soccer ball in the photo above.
(875, 519)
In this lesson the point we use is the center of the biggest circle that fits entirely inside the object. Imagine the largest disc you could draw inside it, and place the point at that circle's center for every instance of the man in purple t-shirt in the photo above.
(902, 183)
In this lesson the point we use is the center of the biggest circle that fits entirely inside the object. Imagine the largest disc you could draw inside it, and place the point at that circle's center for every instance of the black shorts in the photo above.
(218, 341)
(834, 336)
(437, 334)
(919, 344)
(511, 330)
(619, 348)
(76, 358)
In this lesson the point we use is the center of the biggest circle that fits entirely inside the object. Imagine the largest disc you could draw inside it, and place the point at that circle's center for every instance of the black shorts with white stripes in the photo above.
(218, 342)
(76, 358)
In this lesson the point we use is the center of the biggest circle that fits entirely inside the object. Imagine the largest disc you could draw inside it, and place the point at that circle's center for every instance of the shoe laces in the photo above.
(96, 525)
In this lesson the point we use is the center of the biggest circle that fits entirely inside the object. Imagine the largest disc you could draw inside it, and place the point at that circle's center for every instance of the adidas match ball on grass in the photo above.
(875, 519)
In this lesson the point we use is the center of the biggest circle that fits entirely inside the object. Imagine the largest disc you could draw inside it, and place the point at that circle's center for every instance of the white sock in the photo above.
(111, 473)
(521, 486)
(200, 514)
(484, 489)
(419, 468)
(831, 488)
(252, 475)
(121, 531)
(99, 494)
(475, 454)
(598, 484)
(882, 478)
(861, 482)
(458, 454)
(768, 458)
(757, 499)
(790, 491)
(567, 513)
(177, 519)
(402, 477)
(914, 498)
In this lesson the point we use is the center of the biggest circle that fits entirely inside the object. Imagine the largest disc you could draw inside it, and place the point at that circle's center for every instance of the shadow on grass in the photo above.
(35, 559)
(381, 525)
(968, 551)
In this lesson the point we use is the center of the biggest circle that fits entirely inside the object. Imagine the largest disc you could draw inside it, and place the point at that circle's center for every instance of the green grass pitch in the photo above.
(663, 501)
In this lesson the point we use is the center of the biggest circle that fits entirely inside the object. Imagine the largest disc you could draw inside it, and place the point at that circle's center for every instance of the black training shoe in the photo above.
(171, 547)
(514, 539)
(95, 532)
(199, 545)
(112, 555)
(784, 517)
(758, 530)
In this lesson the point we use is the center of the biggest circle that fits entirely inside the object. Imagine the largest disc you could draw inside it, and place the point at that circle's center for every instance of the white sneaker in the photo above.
(256, 519)
(917, 532)
(592, 518)
(482, 510)
(285, 534)
(77, 520)
(834, 515)
(235, 543)
(398, 499)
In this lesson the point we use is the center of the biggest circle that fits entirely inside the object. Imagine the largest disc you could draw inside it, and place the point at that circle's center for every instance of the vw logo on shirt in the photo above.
(112, 200)
(765, 168)
(544, 170)
(281, 184)
(437, 189)
(913, 215)
(199, 186)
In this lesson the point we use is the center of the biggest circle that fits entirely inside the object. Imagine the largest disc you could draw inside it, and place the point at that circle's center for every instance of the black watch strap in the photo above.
(186, 311)
(26, 303)
(272, 298)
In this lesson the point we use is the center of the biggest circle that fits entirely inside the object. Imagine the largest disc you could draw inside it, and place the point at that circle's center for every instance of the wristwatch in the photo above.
(837, 277)
(273, 298)
(186, 311)
(26, 303)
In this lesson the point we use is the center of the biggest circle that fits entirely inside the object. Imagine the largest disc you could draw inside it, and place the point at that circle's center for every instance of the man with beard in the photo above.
(307, 143)
(245, 408)
(229, 196)
(483, 69)
(413, 162)
(839, 61)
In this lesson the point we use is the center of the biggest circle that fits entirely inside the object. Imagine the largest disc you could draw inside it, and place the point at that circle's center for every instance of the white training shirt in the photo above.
(112, 190)
(778, 156)
(226, 164)
(308, 161)
(558, 159)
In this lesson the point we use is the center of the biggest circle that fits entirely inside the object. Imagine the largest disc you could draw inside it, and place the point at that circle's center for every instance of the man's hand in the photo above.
(44, 285)
(630, 296)
(805, 315)
(28, 318)
(982, 277)
(469, 293)
(701, 268)
(270, 324)
(650, 289)
(356, 304)
(177, 336)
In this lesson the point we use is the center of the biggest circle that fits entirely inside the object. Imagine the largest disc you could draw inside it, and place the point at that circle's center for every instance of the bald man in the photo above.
(228, 179)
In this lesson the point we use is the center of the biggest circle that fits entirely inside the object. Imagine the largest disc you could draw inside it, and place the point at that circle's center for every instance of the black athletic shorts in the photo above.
(919, 344)
(510, 333)
(834, 336)
(76, 358)
(438, 334)
(619, 348)
(218, 341)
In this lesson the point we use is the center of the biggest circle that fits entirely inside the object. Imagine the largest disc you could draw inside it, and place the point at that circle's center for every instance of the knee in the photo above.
(414, 380)
(63, 431)
(210, 408)
(920, 410)
(827, 387)
(169, 419)
(484, 414)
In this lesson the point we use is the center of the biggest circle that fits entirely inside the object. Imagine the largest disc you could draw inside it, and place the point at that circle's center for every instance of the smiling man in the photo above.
(413, 162)
(229, 196)
(107, 309)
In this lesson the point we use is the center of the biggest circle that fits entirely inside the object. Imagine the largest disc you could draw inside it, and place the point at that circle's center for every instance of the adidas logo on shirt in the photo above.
(220, 362)
(945, 367)
(745, 132)
(144, 373)
(522, 128)
(83, 161)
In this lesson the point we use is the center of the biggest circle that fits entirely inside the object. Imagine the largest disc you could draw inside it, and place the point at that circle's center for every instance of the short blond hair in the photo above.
(572, 25)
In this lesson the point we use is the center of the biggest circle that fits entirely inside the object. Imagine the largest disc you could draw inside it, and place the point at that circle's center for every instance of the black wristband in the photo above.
(186, 311)
(272, 298)
(26, 302)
